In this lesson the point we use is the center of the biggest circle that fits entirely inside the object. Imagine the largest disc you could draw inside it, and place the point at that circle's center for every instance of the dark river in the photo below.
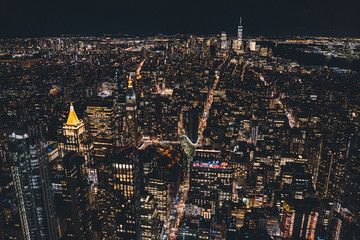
(288, 51)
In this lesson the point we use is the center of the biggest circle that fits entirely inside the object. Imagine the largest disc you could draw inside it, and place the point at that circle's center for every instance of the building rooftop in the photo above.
(211, 164)
(72, 118)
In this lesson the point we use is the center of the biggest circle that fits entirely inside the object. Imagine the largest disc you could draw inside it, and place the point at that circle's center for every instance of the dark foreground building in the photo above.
(30, 169)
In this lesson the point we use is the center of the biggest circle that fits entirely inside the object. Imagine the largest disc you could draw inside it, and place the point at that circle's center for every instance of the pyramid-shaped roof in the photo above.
(72, 119)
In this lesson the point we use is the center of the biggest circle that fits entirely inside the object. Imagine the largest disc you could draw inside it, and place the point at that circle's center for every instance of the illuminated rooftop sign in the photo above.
(211, 164)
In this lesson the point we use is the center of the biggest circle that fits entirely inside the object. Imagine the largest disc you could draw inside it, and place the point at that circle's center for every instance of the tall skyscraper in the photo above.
(223, 41)
(105, 200)
(121, 108)
(75, 138)
(76, 192)
(212, 50)
(30, 169)
(131, 115)
(101, 125)
(126, 183)
(240, 33)
(331, 167)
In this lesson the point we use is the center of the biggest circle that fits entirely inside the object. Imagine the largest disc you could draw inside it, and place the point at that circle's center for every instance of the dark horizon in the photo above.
(261, 18)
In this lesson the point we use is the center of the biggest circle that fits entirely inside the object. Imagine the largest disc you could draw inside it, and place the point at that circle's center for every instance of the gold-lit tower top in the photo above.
(130, 83)
(72, 119)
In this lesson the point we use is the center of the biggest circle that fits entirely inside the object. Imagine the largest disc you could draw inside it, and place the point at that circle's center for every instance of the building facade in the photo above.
(30, 169)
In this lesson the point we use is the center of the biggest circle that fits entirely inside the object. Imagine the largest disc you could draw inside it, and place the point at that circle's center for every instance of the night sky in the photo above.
(23, 18)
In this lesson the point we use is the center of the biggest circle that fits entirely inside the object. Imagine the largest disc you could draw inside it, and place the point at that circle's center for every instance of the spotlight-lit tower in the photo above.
(131, 116)
(75, 137)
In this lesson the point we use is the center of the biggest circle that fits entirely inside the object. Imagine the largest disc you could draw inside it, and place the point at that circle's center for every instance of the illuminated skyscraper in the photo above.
(159, 187)
(299, 218)
(131, 115)
(125, 178)
(240, 34)
(223, 41)
(331, 167)
(30, 169)
(101, 125)
(75, 137)
(211, 180)
(150, 221)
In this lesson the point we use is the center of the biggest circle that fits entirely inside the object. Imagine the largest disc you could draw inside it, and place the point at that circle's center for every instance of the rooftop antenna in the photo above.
(240, 20)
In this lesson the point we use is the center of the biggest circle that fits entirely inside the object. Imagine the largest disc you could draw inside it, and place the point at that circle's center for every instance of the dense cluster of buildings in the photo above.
(174, 137)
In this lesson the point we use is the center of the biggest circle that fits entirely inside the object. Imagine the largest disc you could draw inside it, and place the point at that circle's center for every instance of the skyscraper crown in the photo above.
(130, 83)
(72, 118)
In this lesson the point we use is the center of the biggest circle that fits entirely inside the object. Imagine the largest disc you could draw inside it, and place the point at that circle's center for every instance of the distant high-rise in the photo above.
(212, 50)
(331, 168)
(30, 169)
(131, 115)
(223, 41)
(240, 33)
